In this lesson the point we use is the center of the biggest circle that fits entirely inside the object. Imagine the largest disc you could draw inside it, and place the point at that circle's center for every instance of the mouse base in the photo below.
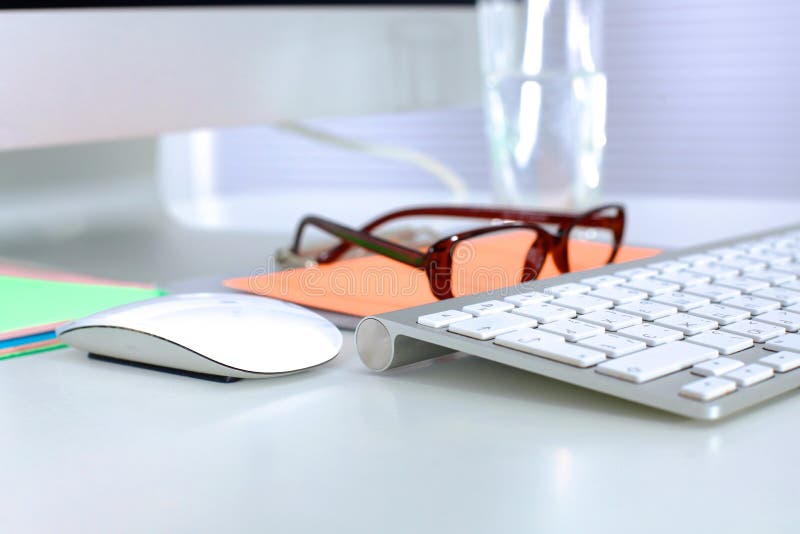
(170, 370)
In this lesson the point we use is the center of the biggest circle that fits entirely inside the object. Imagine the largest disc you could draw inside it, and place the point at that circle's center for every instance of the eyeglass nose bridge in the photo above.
(592, 218)
(439, 265)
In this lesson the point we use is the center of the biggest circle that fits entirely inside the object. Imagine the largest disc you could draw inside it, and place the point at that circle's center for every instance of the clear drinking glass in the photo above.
(544, 99)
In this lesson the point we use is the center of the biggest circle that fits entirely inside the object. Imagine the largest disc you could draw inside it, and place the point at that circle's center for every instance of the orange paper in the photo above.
(375, 284)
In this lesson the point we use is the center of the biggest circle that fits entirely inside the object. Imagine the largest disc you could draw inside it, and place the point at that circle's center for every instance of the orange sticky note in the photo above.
(375, 284)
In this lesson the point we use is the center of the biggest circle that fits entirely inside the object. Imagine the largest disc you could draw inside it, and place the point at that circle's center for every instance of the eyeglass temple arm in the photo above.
(542, 217)
(351, 236)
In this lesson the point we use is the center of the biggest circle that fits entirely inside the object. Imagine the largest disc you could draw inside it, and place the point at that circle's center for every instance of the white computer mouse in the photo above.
(209, 334)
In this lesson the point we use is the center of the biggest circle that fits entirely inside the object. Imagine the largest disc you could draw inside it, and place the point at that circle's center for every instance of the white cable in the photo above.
(446, 175)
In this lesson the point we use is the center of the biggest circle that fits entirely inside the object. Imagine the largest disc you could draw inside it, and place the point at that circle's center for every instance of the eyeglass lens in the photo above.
(490, 261)
(590, 246)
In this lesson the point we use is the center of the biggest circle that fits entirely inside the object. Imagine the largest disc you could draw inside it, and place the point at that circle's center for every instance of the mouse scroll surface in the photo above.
(243, 332)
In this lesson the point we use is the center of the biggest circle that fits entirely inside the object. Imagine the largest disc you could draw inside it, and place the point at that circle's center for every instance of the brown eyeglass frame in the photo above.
(437, 260)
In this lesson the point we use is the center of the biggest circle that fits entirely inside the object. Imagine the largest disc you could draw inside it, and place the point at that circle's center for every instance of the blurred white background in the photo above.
(701, 102)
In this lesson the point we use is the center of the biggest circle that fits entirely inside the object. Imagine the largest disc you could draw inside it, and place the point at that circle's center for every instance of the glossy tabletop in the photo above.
(457, 445)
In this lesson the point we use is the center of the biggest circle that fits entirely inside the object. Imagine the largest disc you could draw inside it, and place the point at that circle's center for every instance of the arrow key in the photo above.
(492, 325)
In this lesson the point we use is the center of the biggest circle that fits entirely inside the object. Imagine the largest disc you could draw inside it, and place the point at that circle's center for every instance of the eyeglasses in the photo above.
(500, 255)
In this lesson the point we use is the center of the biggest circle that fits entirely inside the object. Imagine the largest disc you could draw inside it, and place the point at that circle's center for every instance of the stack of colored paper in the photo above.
(34, 302)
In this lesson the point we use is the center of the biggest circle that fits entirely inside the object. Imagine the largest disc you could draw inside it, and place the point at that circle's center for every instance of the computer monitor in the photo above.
(101, 73)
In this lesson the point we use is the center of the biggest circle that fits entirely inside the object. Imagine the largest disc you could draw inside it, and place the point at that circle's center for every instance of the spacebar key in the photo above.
(657, 361)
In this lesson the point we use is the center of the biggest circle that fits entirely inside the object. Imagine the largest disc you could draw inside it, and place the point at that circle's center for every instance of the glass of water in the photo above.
(544, 99)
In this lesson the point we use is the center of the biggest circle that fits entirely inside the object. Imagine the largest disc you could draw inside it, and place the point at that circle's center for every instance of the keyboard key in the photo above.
(725, 253)
(572, 329)
(685, 278)
(688, 324)
(652, 286)
(526, 336)
(754, 305)
(781, 362)
(752, 247)
(611, 319)
(708, 389)
(771, 276)
(773, 243)
(790, 263)
(619, 295)
(771, 258)
(750, 374)
(489, 326)
(636, 274)
(648, 310)
(488, 307)
(668, 266)
(788, 342)
(794, 285)
(758, 331)
(563, 290)
(744, 284)
(651, 334)
(656, 362)
(682, 301)
(603, 281)
(546, 313)
(721, 313)
(791, 268)
(746, 265)
(714, 292)
(783, 318)
(785, 296)
(793, 308)
(613, 345)
(583, 303)
(530, 297)
(717, 366)
(715, 271)
(567, 353)
(697, 259)
(442, 319)
(724, 342)
(785, 242)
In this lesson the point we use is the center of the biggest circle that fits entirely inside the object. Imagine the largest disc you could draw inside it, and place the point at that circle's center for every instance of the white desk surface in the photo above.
(459, 445)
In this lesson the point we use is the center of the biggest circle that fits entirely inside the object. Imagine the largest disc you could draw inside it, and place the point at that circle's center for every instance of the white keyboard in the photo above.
(703, 332)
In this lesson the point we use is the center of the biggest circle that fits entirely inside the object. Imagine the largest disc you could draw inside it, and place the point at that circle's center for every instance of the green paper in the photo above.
(25, 352)
(27, 302)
